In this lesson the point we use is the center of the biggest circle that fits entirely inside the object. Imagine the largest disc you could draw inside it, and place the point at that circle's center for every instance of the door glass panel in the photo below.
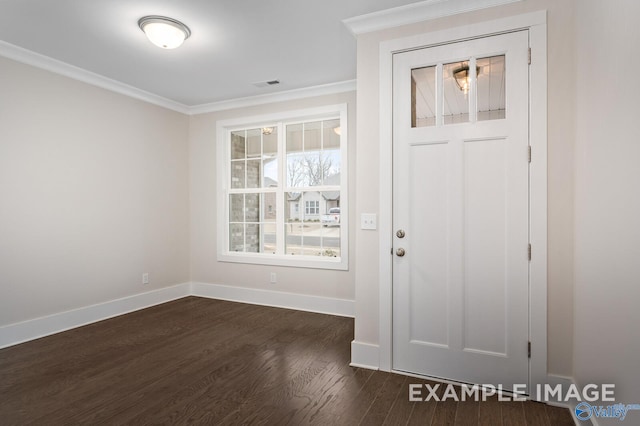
(456, 84)
(491, 88)
(423, 97)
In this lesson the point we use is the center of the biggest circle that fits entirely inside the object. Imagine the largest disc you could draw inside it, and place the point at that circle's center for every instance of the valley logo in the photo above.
(585, 411)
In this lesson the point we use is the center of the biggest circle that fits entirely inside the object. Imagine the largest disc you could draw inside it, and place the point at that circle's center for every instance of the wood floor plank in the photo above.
(400, 412)
(423, 412)
(535, 414)
(445, 412)
(468, 413)
(559, 416)
(204, 361)
(490, 412)
(379, 410)
(512, 413)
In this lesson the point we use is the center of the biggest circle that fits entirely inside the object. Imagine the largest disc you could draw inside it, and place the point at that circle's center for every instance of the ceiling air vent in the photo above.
(266, 83)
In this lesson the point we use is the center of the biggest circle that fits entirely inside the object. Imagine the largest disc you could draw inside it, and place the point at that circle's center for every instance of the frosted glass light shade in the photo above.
(164, 32)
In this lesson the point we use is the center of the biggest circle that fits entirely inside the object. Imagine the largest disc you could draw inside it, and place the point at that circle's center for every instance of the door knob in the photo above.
(400, 252)
(400, 233)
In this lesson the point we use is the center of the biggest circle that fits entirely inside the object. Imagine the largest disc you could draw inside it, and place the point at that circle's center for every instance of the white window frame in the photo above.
(222, 164)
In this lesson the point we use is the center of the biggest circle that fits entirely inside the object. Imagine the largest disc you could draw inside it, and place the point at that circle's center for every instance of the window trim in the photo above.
(279, 119)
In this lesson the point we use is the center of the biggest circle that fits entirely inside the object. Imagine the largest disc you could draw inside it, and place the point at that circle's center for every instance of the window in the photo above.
(281, 176)
(312, 207)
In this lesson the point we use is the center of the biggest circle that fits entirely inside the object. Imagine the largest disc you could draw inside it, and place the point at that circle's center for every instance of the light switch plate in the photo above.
(368, 221)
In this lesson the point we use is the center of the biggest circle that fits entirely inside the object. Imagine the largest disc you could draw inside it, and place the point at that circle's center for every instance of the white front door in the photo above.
(460, 197)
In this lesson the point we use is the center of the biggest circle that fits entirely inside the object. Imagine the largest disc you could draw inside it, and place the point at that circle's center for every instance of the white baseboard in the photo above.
(21, 332)
(278, 299)
(365, 355)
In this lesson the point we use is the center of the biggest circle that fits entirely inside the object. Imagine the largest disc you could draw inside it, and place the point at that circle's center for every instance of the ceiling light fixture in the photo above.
(267, 130)
(164, 32)
(461, 75)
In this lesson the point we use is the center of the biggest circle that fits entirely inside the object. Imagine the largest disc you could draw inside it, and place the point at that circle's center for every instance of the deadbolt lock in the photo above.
(400, 233)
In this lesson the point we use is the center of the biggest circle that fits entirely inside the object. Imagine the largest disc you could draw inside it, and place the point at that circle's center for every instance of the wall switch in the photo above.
(368, 221)
(145, 278)
(273, 278)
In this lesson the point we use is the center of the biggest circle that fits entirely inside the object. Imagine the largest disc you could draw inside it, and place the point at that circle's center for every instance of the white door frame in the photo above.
(536, 23)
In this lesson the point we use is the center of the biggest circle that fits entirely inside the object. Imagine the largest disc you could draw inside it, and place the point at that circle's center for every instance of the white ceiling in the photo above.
(234, 43)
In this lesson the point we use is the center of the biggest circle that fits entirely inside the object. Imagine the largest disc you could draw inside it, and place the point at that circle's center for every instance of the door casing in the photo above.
(536, 24)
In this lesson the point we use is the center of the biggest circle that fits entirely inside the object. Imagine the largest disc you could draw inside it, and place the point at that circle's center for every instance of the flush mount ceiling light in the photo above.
(164, 32)
(461, 75)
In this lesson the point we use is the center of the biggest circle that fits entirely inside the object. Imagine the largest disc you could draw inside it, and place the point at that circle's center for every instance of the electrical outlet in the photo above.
(273, 278)
(145, 278)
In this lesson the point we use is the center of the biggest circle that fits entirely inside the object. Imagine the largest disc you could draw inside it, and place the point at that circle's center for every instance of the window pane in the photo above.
(254, 172)
(312, 136)
(252, 208)
(236, 237)
(491, 88)
(330, 167)
(330, 220)
(331, 159)
(456, 86)
(269, 208)
(293, 222)
(236, 208)
(270, 158)
(254, 143)
(252, 238)
(269, 238)
(331, 134)
(237, 174)
(296, 174)
(270, 141)
(268, 226)
(237, 145)
(311, 239)
(423, 97)
(294, 138)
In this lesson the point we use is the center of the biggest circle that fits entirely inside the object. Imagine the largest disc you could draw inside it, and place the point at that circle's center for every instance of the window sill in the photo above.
(315, 262)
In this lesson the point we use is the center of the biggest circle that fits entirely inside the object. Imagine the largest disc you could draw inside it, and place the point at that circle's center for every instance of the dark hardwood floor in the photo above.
(203, 361)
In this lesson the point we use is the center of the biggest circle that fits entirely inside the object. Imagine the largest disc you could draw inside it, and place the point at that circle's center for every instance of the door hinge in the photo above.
(529, 153)
(529, 350)
(529, 251)
(391, 251)
(529, 59)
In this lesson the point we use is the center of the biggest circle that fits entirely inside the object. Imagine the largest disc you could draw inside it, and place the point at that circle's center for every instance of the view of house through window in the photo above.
(285, 189)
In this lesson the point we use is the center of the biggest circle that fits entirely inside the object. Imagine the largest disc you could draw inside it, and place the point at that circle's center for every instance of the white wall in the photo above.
(561, 102)
(607, 209)
(93, 192)
(204, 265)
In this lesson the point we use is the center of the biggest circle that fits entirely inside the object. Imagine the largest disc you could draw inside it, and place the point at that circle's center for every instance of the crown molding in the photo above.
(416, 12)
(47, 63)
(289, 95)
